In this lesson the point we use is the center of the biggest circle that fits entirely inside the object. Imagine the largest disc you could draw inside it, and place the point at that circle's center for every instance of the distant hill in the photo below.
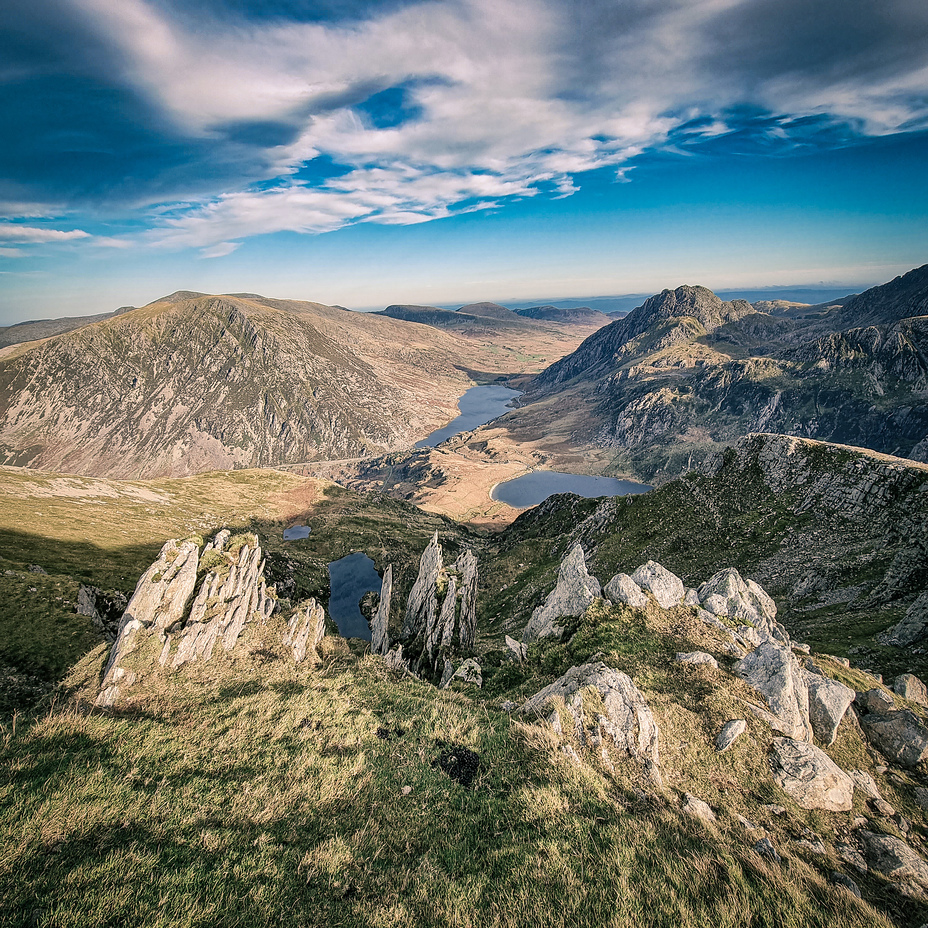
(550, 313)
(47, 328)
(487, 311)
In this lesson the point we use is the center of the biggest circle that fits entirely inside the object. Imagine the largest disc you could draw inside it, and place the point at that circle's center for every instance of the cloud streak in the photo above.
(430, 108)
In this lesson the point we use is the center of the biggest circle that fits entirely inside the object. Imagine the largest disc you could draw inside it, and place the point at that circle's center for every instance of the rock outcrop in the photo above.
(809, 776)
(380, 636)
(162, 611)
(575, 591)
(912, 628)
(894, 859)
(622, 589)
(908, 686)
(727, 594)
(305, 630)
(897, 733)
(624, 721)
(667, 588)
(441, 612)
(775, 673)
(828, 702)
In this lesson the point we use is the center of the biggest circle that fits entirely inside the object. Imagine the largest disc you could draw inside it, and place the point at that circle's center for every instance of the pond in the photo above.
(350, 578)
(479, 405)
(296, 532)
(531, 489)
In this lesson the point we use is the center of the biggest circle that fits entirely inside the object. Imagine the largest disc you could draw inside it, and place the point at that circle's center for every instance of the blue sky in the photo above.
(364, 153)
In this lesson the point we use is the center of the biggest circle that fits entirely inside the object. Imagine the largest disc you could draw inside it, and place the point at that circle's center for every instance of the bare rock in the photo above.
(518, 650)
(765, 848)
(913, 626)
(575, 591)
(665, 587)
(469, 672)
(828, 701)
(908, 686)
(730, 733)
(380, 637)
(840, 879)
(897, 733)
(865, 784)
(894, 859)
(921, 797)
(623, 590)
(422, 605)
(626, 722)
(696, 657)
(775, 673)
(305, 630)
(727, 593)
(697, 808)
(466, 565)
(809, 776)
(852, 857)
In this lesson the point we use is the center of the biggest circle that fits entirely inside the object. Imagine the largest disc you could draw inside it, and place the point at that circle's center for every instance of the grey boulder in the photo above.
(623, 590)
(809, 776)
(730, 733)
(894, 859)
(774, 672)
(908, 686)
(828, 701)
(897, 733)
(665, 587)
(575, 591)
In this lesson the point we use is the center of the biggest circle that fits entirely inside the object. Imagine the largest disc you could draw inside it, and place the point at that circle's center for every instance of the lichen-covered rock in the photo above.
(575, 591)
(894, 859)
(726, 593)
(896, 733)
(466, 565)
(775, 673)
(908, 686)
(623, 590)
(696, 657)
(626, 722)
(865, 784)
(380, 638)
(828, 701)
(469, 672)
(809, 776)
(697, 808)
(667, 588)
(305, 630)
(422, 605)
(731, 732)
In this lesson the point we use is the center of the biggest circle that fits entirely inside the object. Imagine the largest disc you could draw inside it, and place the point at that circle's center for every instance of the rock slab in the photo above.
(809, 776)
(575, 591)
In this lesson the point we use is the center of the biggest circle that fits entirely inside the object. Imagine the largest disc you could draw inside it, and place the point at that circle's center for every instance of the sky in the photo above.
(367, 152)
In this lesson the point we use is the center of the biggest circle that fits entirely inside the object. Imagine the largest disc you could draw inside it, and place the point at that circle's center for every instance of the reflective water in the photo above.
(478, 406)
(296, 532)
(531, 489)
(350, 578)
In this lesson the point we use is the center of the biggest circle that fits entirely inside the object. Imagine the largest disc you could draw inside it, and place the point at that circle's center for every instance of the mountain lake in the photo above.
(535, 487)
(479, 405)
(349, 579)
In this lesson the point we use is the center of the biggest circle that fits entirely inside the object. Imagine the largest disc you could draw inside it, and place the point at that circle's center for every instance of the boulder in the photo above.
(575, 591)
(894, 859)
(626, 722)
(518, 650)
(765, 848)
(897, 733)
(697, 808)
(865, 784)
(828, 701)
(908, 686)
(665, 587)
(727, 593)
(809, 776)
(622, 589)
(305, 630)
(380, 637)
(775, 673)
(730, 733)
(469, 672)
(466, 565)
(697, 657)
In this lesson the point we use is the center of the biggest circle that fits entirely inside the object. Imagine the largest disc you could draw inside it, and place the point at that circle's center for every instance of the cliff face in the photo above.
(200, 383)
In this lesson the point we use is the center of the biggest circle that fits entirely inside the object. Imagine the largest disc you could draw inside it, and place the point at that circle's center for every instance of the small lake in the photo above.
(350, 578)
(479, 405)
(296, 532)
(531, 489)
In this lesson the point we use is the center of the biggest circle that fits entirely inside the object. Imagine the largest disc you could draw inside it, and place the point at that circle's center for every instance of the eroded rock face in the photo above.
(622, 589)
(626, 723)
(575, 591)
(422, 605)
(775, 673)
(727, 593)
(665, 587)
(908, 686)
(380, 638)
(305, 630)
(828, 701)
(912, 628)
(161, 614)
(809, 776)
(896, 733)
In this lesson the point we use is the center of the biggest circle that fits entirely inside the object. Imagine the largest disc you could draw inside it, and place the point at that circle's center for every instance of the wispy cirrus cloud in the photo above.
(30, 235)
(434, 107)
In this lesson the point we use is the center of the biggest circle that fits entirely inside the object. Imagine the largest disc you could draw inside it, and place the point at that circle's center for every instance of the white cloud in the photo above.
(512, 94)
(220, 250)
(29, 235)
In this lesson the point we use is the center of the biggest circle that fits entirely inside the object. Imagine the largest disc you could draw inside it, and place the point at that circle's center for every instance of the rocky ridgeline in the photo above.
(600, 711)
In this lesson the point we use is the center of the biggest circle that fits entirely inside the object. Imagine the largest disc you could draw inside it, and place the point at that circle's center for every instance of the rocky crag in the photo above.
(685, 372)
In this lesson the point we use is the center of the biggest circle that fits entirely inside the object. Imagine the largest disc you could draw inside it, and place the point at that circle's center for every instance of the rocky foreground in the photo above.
(790, 730)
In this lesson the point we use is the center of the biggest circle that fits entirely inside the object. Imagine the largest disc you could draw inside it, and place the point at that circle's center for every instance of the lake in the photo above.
(479, 405)
(349, 579)
(531, 489)
(296, 532)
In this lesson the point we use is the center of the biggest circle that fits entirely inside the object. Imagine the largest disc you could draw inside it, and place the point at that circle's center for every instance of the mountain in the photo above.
(551, 313)
(488, 311)
(192, 383)
(686, 371)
